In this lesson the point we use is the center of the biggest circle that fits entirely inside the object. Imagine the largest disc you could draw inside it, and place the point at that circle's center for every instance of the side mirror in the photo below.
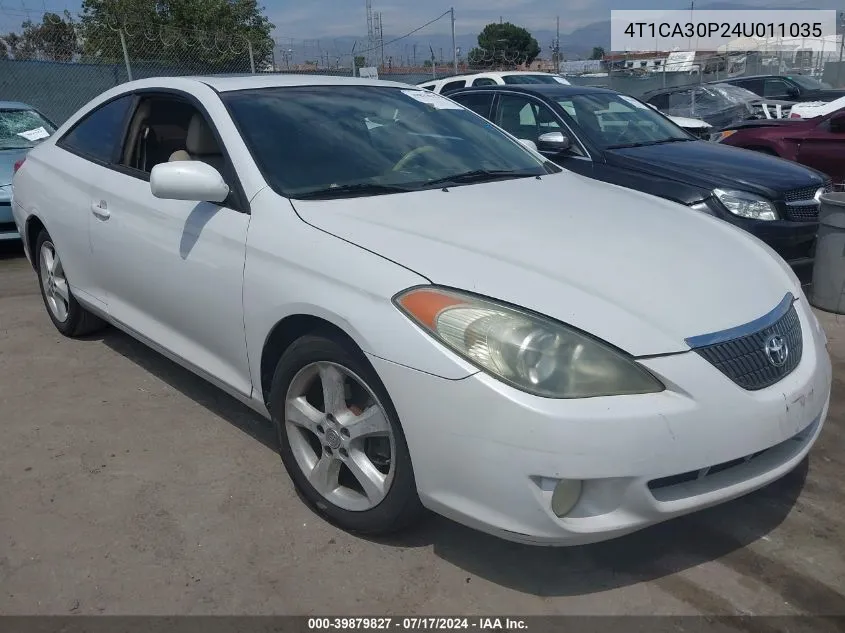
(553, 143)
(792, 91)
(188, 180)
(837, 123)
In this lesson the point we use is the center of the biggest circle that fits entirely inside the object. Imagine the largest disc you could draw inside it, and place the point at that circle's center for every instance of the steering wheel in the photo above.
(407, 158)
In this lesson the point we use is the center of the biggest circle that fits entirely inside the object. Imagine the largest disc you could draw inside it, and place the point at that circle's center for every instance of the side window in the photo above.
(97, 134)
(680, 101)
(166, 128)
(478, 102)
(484, 81)
(453, 85)
(517, 115)
(775, 88)
(754, 85)
(659, 101)
(427, 86)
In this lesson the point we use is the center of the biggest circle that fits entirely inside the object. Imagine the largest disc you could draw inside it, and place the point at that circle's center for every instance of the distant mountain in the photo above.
(578, 43)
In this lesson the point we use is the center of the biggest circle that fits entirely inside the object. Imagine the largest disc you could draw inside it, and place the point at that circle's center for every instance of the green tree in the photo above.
(360, 61)
(204, 35)
(504, 44)
(54, 38)
(598, 52)
(18, 47)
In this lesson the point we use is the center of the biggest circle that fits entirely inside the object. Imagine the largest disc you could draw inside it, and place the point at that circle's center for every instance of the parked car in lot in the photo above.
(813, 109)
(719, 104)
(492, 78)
(789, 87)
(21, 128)
(431, 314)
(612, 137)
(818, 142)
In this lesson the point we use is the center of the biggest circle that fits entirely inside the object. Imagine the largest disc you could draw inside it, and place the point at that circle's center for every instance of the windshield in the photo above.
(735, 94)
(340, 140)
(22, 129)
(810, 83)
(530, 79)
(611, 120)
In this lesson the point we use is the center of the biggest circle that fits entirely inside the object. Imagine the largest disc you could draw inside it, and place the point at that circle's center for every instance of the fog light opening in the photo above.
(565, 496)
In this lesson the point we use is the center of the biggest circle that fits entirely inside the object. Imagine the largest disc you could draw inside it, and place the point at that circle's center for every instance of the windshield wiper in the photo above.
(645, 143)
(349, 191)
(479, 175)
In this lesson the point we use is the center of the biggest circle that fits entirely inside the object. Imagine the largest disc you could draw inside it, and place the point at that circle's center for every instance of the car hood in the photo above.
(8, 158)
(707, 164)
(823, 95)
(638, 271)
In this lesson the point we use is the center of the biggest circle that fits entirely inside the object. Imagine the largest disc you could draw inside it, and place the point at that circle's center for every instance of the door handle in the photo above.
(100, 209)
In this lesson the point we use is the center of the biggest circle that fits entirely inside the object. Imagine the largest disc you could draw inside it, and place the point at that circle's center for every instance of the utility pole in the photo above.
(556, 48)
(454, 45)
(415, 55)
(841, 47)
(381, 36)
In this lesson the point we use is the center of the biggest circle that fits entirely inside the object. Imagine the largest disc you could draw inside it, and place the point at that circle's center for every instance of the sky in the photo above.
(300, 20)
(337, 18)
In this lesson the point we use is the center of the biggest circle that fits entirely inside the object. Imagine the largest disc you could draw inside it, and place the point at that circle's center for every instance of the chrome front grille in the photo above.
(801, 204)
(804, 193)
(741, 354)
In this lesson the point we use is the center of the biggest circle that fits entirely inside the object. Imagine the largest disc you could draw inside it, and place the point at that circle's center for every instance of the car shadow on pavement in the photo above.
(11, 249)
(722, 532)
(200, 391)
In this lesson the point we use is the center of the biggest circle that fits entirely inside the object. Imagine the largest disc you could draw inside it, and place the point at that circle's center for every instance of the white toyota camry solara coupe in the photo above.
(431, 313)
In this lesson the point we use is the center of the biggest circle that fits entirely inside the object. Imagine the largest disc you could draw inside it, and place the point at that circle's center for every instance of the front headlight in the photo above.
(746, 205)
(528, 351)
(717, 137)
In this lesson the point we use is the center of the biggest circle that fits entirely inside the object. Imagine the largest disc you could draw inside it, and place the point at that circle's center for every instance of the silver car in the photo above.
(22, 127)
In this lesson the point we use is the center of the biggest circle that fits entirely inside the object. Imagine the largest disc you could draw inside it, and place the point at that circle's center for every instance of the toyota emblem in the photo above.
(777, 350)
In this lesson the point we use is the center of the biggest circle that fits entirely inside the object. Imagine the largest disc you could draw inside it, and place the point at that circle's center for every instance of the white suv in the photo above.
(448, 84)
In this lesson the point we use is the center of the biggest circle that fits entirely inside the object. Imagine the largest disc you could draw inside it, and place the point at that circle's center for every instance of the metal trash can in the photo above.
(828, 291)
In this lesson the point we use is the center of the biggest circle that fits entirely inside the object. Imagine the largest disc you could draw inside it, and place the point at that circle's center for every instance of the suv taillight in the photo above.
(18, 165)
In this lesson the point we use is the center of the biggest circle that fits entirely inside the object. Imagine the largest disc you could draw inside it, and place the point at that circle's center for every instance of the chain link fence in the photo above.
(57, 63)
(641, 72)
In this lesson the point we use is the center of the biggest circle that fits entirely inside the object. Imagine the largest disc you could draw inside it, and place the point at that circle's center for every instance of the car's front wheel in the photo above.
(70, 318)
(340, 437)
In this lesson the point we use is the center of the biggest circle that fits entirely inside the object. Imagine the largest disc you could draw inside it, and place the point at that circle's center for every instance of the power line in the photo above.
(408, 34)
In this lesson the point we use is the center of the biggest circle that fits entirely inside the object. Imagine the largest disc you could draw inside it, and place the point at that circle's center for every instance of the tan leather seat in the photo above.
(200, 144)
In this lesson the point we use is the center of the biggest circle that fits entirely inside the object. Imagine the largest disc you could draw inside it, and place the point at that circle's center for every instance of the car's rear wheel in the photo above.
(70, 318)
(340, 437)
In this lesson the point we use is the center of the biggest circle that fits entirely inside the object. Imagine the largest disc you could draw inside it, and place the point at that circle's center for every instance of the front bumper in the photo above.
(488, 456)
(794, 241)
(8, 228)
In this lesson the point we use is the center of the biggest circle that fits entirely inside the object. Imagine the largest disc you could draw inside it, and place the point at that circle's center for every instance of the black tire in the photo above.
(401, 507)
(79, 322)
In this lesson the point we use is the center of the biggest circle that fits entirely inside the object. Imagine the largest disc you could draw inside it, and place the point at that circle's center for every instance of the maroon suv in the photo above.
(818, 142)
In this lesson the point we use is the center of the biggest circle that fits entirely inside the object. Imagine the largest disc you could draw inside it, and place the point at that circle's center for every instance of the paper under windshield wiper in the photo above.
(479, 175)
(357, 189)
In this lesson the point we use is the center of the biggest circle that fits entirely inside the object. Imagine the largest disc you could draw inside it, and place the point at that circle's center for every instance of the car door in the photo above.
(173, 269)
(823, 148)
(84, 153)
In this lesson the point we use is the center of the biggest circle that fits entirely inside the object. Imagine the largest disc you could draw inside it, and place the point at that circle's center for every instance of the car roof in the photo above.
(546, 90)
(229, 83)
(660, 91)
(14, 105)
(495, 73)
